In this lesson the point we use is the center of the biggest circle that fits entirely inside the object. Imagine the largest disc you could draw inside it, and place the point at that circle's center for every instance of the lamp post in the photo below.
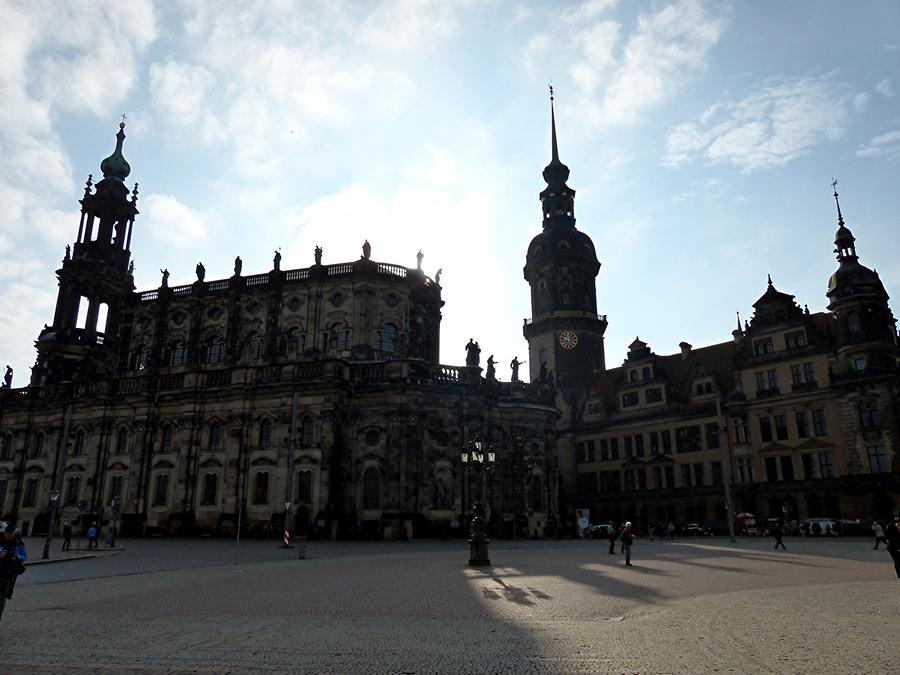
(54, 499)
(82, 507)
(114, 504)
(482, 457)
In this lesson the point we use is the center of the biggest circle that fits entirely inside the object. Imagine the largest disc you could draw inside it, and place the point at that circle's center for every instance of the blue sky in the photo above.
(701, 136)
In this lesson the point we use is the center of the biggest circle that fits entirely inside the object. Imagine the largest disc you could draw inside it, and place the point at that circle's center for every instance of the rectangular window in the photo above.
(809, 372)
(629, 480)
(261, 489)
(859, 364)
(604, 450)
(764, 346)
(630, 399)
(591, 451)
(826, 464)
(639, 445)
(627, 447)
(654, 442)
(161, 493)
(687, 439)
(653, 395)
(877, 460)
(686, 475)
(795, 340)
(796, 375)
(117, 487)
(167, 438)
(30, 496)
(670, 476)
(772, 378)
(809, 466)
(716, 472)
(304, 487)
(614, 448)
(666, 435)
(781, 428)
(579, 453)
(586, 482)
(802, 419)
(787, 467)
(745, 469)
(215, 436)
(869, 417)
(820, 426)
(760, 381)
(657, 478)
(712, 436)
(698, 474)
(210, 483)
(641, 479)
(765, 429)
(771, 470)
(72, 489)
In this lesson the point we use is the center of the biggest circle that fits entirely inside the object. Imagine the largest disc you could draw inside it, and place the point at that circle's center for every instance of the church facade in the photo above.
(312, 397)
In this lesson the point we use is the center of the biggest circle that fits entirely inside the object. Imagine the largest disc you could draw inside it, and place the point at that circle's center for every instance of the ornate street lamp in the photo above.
(54, 500)
(482, 457)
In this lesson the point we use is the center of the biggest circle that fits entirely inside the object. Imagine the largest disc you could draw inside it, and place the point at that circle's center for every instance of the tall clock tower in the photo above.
(565, 334)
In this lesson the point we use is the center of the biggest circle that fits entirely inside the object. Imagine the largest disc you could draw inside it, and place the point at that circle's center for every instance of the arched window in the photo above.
(307, 433)
(339, 337)
(294, 341)
(210, 485)
(536, 494)
(853, 322)
(371, 488)
(632, 376)
(178, 354)
(256, 347)
(645, 373)
(215, 436)
(265, 433)
(385, 339)
(304, 487)
(38, 446)
(168, 438)
(80, 443)
(122, 441)
(215, 352)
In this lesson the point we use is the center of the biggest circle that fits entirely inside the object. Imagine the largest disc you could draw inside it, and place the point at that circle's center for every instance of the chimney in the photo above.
(685, 349)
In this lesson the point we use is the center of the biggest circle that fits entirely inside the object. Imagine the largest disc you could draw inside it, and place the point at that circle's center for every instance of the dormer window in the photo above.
(795, 340)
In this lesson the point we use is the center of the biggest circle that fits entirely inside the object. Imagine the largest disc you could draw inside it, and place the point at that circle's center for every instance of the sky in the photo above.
(702, 139)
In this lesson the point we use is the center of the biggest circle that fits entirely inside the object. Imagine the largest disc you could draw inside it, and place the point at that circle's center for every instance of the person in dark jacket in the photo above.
(892, 532)
(627, 541)
(611, 534)
(778, 533)
(67, 536)
(12, 563)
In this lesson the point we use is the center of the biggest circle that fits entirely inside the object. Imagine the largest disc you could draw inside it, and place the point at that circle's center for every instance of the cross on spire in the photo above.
(124, 117)
(836, 201)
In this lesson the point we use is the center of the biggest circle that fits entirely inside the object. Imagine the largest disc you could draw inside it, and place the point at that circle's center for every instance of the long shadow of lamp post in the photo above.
(481, 457)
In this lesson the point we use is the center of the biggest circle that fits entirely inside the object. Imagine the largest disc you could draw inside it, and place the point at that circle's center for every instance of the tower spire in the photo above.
(836, 201)
(555, 150)
(555, 173)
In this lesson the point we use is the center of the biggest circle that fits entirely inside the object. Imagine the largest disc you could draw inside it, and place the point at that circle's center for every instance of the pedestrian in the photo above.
(621, 531)
(892, 533)
(879, 534)
(67, 536)
(671, 530)
(627, 541)
(612, 539)
(778, 533)
(12, 563)
(92, 536)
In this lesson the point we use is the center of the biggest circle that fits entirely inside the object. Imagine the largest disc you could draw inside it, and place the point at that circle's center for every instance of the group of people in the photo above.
(626, 535)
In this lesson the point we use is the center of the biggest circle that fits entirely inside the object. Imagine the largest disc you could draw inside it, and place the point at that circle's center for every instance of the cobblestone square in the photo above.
(688, 606)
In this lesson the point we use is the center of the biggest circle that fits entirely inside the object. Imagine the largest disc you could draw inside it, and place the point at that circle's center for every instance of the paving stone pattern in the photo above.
(546, 607)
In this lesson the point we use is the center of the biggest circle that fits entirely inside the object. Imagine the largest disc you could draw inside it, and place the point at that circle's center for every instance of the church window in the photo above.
(215, 436)
(256, 346)
(122, 441)
(385, 338)
(168, 438)
(81, 320)
(210, 483)
(178, 354)
(141, 357)
(304, 487)
(261, 488)
(215, 353)
(39, 446)
(265, 433)
(307, 433)
(536, 495)
(371, 489)
(117, 486)
(80, 443)
(30, 496)
(6, 448)
(102, 316)
(853, 323)
(161, 491)
(295, 341)
(339, 337)
(73, 487)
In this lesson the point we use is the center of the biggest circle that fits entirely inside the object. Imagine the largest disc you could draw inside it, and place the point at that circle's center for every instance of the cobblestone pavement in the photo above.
(413, 607)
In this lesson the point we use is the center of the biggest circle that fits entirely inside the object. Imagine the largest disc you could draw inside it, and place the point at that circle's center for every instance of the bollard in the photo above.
(301, 552)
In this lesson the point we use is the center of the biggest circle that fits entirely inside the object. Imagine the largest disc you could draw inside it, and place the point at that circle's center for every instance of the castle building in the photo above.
(311, 394)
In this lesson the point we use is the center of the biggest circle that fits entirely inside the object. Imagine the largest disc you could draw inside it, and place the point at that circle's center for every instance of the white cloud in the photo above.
(884, 88)
(179, 89)
(779, 122)
(664, 51)
(860, 102)
(883, 145)
(167, 219)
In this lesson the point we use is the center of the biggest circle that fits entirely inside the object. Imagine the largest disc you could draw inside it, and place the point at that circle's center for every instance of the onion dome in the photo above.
(115, 165)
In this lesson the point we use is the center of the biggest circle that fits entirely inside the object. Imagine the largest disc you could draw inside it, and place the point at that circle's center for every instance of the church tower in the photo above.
(95, 281)
(565, 334)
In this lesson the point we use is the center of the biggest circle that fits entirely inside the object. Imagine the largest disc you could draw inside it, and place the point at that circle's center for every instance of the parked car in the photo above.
(819, 527)
(695, 530)
(600, 531)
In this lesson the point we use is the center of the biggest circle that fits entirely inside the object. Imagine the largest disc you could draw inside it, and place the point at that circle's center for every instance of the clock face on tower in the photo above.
(568, 340)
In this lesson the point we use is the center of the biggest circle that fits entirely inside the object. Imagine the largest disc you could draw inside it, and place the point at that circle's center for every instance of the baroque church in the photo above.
(314, 399)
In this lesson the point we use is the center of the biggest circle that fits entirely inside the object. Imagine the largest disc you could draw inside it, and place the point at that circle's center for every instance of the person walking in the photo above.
(92, 536)
(612, 535)
(892, 533)
(778, 533)
(67, 536)
(12, 563)
(671, 530)
(627, 541)
(879, 535)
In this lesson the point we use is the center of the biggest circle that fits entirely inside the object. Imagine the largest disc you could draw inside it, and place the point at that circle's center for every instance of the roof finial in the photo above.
(555, 157)
(834, 187)
(123, 119)
(770, 280)
(738, 312)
